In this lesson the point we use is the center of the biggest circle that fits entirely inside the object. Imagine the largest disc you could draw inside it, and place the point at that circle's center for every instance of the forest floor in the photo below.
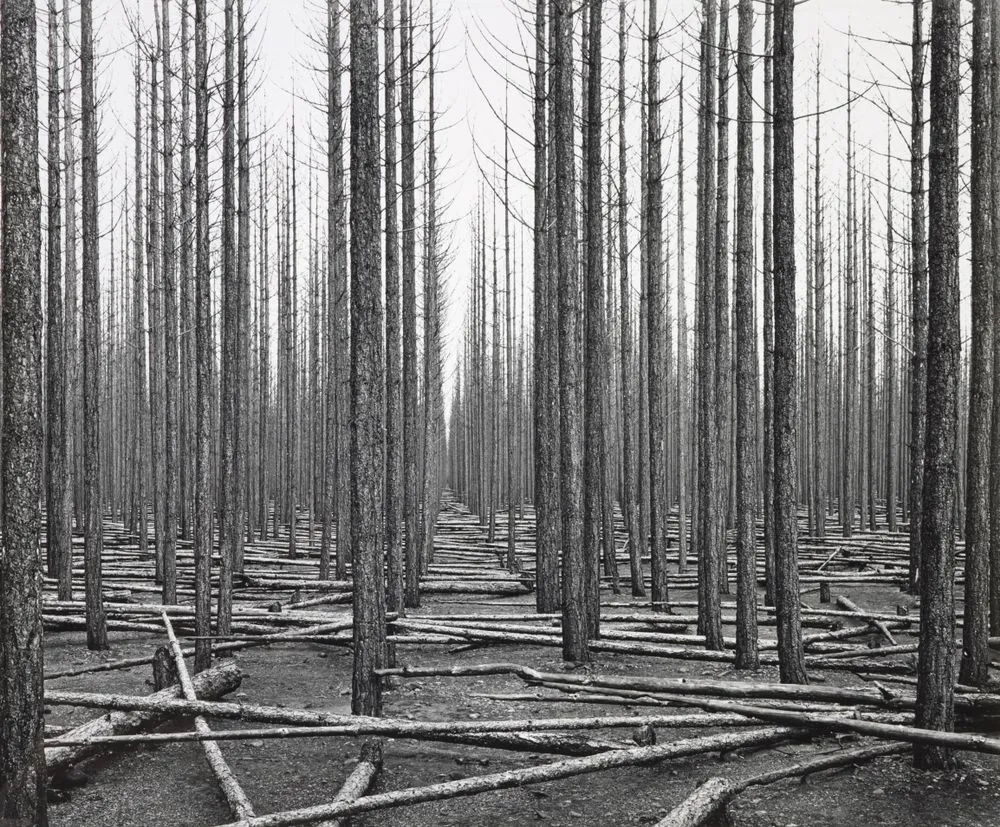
(170, 784)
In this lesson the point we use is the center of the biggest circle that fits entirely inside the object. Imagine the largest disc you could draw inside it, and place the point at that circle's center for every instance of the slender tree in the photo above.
(767, 254)
(574, 593)
(975, 631)
(409, 278)
(936, 676)
(746, 357)
(393, 399)
(629, 504)
(786, 580)
(203, 343)
(367, 365)
(171, 376)
(57, 493)
(93, 533)
(657, 323)
(546, 420)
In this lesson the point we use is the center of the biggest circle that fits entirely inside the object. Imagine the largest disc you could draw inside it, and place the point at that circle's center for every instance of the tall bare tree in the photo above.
(786, 575)
(574, 592)
(393, 397)
(746, 357)
(657, 323)
(93, 531)
(58, 500)
(367, 365)
(546, 421)
(203, 342)
(936, 676)
(22, 759)
(976, 629)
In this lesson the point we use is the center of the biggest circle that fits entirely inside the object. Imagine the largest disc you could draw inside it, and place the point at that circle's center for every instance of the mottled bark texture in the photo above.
(22, 761)
(786, 580)
(936, 676)
(367, 365)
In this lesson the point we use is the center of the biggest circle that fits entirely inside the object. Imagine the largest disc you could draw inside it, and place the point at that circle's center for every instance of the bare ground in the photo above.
(171, 784)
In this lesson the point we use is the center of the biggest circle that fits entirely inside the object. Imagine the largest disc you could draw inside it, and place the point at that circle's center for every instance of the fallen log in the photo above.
(851, 606)
(218, 648)
(79, 742)
(855, 696)
(239, 804)
(307, 723)
(711, 797)
(552, 743)
(359, 780)
(635, 756)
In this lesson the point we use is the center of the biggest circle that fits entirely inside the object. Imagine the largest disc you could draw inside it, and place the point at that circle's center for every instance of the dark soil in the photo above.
(172, 785)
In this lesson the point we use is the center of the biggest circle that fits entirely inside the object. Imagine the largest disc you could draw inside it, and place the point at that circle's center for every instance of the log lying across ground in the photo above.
(79, 742)
(567, 768)
(217, 648)
(711, 797)
(359, 780)
(308, 723)
(855, 696)
(239, 804)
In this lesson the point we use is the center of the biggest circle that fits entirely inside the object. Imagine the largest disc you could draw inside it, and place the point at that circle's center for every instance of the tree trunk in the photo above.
(936, 676)
(169, 253)
(367, 365)
(709, 553)
(409, 263)
(545, 420)
(393, 400)
(593, 380)
(22, 759)
(786, 578)
(657, 326)
(767, 253)
(203, 342)
(574, 591)
(975, 632)
(57, 494)
(746, 358)
(93, 535)
(630, 509)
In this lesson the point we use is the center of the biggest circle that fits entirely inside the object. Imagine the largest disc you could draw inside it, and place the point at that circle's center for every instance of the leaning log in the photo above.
(208, 685)
(239, 804)
(359, 780)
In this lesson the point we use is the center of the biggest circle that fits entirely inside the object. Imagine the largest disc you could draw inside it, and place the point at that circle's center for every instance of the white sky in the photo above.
(482, 42)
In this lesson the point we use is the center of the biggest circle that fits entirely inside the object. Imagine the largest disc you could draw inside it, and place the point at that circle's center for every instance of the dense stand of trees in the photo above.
(267, 382)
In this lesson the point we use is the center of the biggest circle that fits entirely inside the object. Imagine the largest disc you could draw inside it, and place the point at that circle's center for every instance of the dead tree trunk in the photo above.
(367, 365)
(767, 253)
(574, 592)
(630, 509)
(786, 593)
(975, 632)
(22, 759)
(746, 358)
(394, 534)
(546, 421)
(93, 535)
(203, 343)
(657, 325)
(936, 676)
(170, 372)
(409, 263)
(58, 511)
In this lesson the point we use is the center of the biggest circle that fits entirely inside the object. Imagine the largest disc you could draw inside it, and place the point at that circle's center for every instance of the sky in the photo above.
(483, 73)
